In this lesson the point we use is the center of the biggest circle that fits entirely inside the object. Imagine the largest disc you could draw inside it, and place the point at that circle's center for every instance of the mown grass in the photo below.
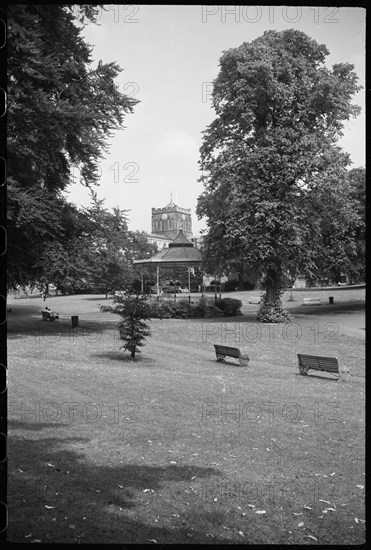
(175, 447)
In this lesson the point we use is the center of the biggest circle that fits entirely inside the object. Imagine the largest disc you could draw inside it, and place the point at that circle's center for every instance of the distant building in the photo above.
(170, 219)
(159, 240)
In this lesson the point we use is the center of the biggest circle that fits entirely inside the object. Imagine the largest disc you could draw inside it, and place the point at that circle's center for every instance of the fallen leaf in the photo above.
(307, 508)
(52, 465)
(359, 520)
(241, 533)
(26, 536)
(49, 507)
(360, 486)
(297, 513)
(311, 537)
(152, 540)
(301, 524)
(260, 512)
(172, 462)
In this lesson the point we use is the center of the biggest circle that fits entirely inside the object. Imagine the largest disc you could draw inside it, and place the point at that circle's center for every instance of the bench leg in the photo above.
(303, 370)
(220, 357)
(244, 362)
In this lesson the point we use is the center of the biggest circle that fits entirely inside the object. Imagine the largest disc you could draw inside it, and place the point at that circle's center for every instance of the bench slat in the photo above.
(223, 351)
(317, 362)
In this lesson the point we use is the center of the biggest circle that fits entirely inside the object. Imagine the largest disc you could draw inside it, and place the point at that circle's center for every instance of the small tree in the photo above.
(133, 310)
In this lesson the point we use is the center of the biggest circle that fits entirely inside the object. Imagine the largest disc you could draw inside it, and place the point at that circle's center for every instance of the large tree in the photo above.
(61, 112)
(109, 255)
(271, 150)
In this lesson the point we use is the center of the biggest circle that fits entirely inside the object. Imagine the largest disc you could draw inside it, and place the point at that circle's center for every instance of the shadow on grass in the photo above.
(123, 356)
(58, 494)
(35, 426)
(94, 299)
(309, 376)
(61, 328)
(335, 308)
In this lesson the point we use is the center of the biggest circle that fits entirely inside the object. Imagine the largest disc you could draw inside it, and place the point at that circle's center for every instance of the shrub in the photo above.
(270, 312)
(230, 306)
(178, 310)
(228, 286)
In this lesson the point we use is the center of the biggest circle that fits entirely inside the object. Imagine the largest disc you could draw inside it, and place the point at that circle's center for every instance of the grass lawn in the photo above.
(175, 447)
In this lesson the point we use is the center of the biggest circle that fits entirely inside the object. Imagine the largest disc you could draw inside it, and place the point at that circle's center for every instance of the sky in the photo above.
(170, 56)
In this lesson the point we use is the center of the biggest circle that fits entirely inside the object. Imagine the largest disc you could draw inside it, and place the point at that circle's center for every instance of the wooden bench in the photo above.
(48, 316)
(317, 362)
(224, 351)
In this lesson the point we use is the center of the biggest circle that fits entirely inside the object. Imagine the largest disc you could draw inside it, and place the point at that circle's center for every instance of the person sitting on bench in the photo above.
(51, 313)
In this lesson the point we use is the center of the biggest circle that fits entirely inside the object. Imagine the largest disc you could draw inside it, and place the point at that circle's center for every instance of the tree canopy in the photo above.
(61, 114)
(270, 159)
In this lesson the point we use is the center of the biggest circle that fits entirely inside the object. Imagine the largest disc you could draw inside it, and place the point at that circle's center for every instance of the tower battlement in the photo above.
(170, 219)
(169, 208)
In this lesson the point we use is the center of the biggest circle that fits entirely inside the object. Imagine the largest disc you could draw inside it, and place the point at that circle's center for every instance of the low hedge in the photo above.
(230, 306)
(178, 310)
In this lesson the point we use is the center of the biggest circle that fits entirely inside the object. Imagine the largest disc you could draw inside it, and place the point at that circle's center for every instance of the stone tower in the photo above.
(170, 219)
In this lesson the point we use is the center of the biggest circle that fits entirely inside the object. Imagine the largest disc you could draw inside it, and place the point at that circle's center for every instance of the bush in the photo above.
(177, 310)
(228, 286)
(270, 312)
(230, 306)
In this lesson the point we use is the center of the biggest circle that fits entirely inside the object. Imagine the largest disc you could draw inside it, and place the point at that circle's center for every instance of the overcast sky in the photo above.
(170, 56)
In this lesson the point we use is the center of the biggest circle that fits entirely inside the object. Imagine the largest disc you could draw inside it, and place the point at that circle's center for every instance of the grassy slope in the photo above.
(176, 447)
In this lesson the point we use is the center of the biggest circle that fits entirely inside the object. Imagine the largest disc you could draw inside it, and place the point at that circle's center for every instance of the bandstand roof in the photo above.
(179, 251)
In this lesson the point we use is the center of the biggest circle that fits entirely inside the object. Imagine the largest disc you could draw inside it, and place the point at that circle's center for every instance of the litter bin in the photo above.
(75, 321)
(330, 299)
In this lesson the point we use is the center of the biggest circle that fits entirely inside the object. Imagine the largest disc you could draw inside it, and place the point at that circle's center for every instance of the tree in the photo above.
(134, 311)
(356, 179)
(109, 255)
(141, 247)
(61, 113)
(270, 151)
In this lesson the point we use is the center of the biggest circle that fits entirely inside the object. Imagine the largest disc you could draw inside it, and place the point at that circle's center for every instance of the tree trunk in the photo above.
(272, 292)
(240, 277)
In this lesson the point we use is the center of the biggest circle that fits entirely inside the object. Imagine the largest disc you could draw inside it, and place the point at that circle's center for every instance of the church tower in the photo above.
(170, 219)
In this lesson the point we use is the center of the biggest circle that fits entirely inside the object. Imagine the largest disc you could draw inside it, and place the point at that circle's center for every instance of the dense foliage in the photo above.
(276, 194)
(61, 113)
